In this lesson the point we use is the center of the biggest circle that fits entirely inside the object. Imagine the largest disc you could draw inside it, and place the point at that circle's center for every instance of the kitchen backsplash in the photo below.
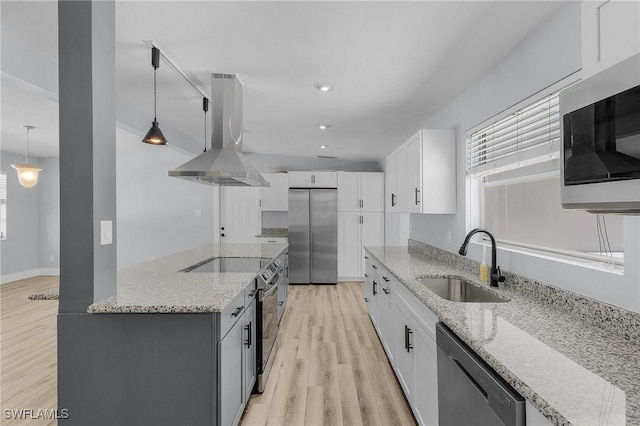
(615, 319)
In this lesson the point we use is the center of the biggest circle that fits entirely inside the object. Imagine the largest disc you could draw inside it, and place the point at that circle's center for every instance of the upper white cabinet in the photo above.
(313, 179)
(431, 172)
(396, 181)
(360, 192)
(425, 174)
(276, 196)
(610, 33)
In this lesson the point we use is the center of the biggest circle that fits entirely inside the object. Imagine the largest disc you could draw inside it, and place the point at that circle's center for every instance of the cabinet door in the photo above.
(390, 187)
(349, 244)
(348, 192)
(405, 330)
(414, 174)
(609, 33)
(401, 180)
(249, 351)
(240, 214)
(425, 373)
(372, 192)
(230, 373)
(276, 196)
(324, 179)
(387, 319)
(300, 180)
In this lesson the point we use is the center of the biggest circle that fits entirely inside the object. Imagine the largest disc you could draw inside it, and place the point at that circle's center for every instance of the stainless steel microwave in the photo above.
(600, 131)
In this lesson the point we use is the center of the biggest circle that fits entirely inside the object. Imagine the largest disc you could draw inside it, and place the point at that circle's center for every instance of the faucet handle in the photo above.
(498, 275)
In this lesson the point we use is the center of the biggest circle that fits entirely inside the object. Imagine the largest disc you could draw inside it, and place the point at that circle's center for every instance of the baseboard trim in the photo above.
(9, 278)
(343, 279)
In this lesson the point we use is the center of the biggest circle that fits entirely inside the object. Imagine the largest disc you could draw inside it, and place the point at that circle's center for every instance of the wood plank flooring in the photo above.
(330, 368)
(28, 354)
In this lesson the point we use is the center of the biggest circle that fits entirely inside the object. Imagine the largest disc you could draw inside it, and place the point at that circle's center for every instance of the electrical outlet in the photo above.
(449, 236)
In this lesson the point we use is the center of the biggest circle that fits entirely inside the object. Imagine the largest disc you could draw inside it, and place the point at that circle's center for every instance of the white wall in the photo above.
(19, 252)
(271, 163)
(156, 214)
(49, 217)
(548, 55)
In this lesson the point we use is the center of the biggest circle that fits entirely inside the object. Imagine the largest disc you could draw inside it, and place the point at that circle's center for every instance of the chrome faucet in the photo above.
(496, 276)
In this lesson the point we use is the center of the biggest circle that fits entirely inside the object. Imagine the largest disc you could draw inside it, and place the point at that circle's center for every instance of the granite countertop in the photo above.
(573, 372)
(274, 233)
(158, 286)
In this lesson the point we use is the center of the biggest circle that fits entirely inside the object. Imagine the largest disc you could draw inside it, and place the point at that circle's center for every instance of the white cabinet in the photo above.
(610, 33)
(240, 214)
(421, 174)
(276, 196)
(313, 179)
(360, 192)
(407, 331)
(396, 180)
(356, 230)
(431, 172)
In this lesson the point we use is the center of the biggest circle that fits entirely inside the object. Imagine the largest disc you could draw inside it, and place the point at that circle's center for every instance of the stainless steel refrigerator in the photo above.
(313, 236)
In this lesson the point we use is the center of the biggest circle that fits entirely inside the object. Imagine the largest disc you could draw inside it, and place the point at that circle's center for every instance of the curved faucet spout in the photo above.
(496, 276)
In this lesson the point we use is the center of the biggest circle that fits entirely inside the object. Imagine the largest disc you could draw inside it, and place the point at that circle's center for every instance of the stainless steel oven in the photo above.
(267, 319)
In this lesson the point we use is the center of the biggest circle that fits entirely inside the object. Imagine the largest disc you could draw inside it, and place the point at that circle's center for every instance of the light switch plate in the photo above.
(106, 232)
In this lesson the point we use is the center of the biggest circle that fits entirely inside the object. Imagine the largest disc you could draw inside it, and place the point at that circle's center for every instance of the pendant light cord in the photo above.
(28, 146)
(155, 96)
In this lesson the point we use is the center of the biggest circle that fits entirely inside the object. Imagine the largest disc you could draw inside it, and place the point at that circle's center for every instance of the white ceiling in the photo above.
(392, 65)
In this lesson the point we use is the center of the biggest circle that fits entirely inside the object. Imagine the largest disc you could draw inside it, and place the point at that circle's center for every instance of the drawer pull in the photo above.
(237, 311)
(374, 266)
(386, 279)
(253, 293)
(386, 290)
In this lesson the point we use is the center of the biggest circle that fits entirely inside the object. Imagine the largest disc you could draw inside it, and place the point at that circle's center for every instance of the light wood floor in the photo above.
(28, 360)
(330, 368)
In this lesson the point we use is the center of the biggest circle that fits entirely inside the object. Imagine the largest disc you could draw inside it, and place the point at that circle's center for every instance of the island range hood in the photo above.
(224, 163)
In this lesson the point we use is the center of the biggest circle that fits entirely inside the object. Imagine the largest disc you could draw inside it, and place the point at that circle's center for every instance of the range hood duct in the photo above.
(224, 163)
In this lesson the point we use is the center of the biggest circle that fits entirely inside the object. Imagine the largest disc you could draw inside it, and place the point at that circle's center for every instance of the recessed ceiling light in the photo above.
(324, 146)
(324, 126)
(323, 87)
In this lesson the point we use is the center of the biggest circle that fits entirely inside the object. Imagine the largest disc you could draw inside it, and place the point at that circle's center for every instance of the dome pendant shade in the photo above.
(154, 136)
(27, 174)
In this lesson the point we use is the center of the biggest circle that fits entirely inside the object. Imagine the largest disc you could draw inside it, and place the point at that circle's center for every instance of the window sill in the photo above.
(557, 257)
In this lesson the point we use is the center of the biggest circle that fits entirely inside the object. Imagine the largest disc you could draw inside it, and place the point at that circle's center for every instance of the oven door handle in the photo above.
(262, 294)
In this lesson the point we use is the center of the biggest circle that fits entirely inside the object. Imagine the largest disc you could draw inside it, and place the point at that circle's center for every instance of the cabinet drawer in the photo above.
(232, 313)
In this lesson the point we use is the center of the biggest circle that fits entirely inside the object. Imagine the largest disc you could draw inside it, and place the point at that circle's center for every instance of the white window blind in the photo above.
(527, 136)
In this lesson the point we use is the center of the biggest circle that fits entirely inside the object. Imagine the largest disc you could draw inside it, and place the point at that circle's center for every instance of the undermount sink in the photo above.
(458, 290)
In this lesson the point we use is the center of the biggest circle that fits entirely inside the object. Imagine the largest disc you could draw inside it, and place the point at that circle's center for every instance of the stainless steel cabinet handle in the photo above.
(386, 290)
(393, 200)
(237, 311)
(417, 196)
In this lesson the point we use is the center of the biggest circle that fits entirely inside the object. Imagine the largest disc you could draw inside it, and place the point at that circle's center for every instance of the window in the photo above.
(514, 171)
(3, 206)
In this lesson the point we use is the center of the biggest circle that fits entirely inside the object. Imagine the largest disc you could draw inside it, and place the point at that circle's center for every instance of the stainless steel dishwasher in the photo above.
(469, 391)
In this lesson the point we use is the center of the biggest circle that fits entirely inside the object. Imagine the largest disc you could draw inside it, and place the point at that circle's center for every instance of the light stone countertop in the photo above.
(157, 286)
(571, 371)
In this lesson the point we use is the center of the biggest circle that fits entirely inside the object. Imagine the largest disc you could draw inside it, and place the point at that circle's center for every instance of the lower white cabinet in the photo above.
(406, 328)
(355, 231)
(237, 366)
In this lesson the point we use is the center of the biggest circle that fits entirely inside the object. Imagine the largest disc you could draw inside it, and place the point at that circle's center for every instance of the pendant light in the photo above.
(205, 108)
(27, 172)
(154, 136)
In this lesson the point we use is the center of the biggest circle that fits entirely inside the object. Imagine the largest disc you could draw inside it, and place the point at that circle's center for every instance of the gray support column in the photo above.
(86, 39)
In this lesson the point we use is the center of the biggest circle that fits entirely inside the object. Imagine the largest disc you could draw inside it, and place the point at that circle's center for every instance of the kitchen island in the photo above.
(161, 350)
(569, 366)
